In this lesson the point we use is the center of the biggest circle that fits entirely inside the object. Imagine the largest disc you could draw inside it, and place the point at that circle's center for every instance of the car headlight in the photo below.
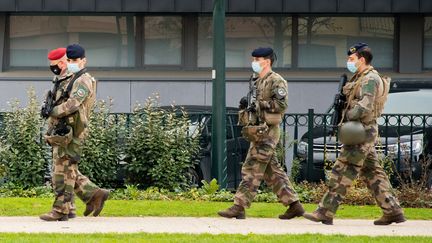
(302, 147)
(405, 147)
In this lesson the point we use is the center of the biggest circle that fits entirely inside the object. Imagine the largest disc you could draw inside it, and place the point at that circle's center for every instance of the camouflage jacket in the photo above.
(272, 96)
(363, 91)
(76, 109)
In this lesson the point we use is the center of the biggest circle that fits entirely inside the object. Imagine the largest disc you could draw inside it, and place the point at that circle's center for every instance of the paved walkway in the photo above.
(211, 225)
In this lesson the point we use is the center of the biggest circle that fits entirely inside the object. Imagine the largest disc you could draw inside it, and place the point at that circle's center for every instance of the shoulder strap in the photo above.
(66, 93)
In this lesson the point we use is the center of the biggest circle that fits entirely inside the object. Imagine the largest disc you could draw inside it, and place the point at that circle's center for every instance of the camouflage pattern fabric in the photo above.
(66, 177)
(261, 162)
(66, 181)
(361, 160)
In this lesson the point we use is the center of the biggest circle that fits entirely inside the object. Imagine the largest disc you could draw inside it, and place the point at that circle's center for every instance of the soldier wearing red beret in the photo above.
(74, 95)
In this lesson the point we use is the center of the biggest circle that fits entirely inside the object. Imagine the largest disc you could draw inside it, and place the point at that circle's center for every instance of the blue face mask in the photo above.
(351, 67)
(256, 67)
(73, 67)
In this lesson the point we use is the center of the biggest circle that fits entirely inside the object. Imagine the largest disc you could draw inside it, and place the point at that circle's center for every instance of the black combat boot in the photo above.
(295, 210)
(54, 216)
(235, 211)
(97, 202)
(72, 214)
(386, 219)
(319, 216)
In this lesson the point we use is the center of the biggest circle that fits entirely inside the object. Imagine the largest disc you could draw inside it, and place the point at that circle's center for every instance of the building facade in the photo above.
(139, 47)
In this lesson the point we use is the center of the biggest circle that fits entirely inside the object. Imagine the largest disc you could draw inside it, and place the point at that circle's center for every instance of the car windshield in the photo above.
(412, 102)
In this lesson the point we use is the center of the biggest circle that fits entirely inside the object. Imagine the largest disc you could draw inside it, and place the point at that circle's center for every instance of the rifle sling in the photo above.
(66, 94)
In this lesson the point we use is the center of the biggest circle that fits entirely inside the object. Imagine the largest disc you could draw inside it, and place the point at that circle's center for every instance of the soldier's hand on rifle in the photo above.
(243, 104)
(264, 105)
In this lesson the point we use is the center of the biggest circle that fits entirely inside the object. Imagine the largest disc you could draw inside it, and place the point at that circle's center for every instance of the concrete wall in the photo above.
(302, 95)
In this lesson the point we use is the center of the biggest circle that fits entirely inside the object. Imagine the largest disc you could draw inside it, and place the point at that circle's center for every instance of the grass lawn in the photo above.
(37, 206)
(144, 237)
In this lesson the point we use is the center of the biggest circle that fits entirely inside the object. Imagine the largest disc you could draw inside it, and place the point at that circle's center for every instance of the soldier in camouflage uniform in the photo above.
(366, 94)
(261, 122)
(73, 108)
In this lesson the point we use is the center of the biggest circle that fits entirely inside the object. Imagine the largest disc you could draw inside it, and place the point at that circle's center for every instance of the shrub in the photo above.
(160, 149)
(23, 153)
(101, 149)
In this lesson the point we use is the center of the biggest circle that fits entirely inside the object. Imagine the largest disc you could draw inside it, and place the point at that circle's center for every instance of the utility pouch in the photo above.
(272, 118)
(60, 140)
(255, 133)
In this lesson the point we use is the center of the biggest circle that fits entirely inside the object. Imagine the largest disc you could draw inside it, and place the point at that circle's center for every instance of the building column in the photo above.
(411, 43)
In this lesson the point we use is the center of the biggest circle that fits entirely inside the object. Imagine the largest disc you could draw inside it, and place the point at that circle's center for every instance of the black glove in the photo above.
(252, 108)
(243, 103)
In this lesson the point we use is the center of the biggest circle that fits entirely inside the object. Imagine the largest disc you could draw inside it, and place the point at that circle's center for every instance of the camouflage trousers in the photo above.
(67, 180)
(262, 164)
(359, 161)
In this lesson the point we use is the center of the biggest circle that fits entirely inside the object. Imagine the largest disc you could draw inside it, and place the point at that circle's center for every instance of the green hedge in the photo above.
(154, 149)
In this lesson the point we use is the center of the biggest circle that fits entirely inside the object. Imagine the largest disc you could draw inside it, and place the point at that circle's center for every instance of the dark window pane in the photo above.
(162, 40)
(323, 41)
(108, 40)
(427, 55)
(243, 35)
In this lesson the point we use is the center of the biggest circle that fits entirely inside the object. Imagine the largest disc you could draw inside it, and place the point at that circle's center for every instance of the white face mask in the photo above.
(256, 67)
(73, 67)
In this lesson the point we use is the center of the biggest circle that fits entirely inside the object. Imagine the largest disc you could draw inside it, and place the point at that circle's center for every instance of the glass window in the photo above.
(163, 40)
(243, 35)
(108, 40)
(323, 41)
(427, 55)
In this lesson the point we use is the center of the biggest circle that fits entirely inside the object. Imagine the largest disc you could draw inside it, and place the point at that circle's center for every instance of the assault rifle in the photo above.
(339, 103)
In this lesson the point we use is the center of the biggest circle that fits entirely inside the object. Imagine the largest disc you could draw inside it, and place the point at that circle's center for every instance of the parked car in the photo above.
(403, 135)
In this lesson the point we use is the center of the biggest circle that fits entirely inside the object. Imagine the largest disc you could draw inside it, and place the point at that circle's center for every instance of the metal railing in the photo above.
(309, 137)
(401, 137)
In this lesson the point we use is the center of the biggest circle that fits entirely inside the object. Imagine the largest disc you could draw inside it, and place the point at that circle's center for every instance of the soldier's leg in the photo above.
(278, 180)
(379, 185)
(84, 188)
(253, 169)
(88, 192)
(344, 172)
(63, 185)
(63, 188)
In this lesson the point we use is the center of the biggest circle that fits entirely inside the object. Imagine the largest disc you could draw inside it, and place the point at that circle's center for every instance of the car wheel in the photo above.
(195, 177)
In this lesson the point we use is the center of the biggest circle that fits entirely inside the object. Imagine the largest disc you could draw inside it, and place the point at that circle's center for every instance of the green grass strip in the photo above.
(145, 237)
(124, 208)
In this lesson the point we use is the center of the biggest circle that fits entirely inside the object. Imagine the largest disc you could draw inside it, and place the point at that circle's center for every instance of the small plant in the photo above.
(295, 169)
(210, 188)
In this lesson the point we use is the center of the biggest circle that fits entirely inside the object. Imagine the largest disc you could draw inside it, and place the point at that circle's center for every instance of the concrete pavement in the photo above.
(211, 225)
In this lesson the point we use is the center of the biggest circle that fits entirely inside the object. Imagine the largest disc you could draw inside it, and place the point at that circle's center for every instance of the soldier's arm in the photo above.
(365, 106)
(80, 91)
(279, 100)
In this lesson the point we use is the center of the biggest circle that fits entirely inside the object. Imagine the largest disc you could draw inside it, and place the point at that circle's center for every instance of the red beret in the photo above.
(57, 53)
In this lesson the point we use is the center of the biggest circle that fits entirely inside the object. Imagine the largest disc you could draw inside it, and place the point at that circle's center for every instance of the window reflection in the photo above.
(163, 40)
(323, 41)
(243, 35)
(108, 40)
(427, 55)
